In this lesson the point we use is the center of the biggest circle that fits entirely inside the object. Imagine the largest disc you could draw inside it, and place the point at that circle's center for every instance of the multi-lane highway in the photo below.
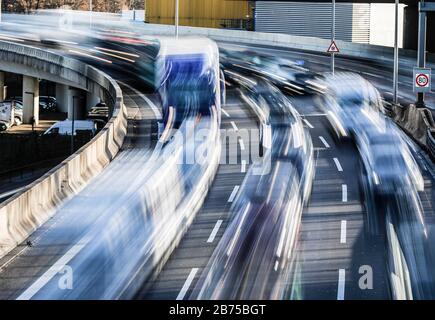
(334, 249)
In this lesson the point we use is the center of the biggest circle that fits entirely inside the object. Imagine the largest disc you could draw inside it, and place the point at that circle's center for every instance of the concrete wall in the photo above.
(355, 50)
(26, 211)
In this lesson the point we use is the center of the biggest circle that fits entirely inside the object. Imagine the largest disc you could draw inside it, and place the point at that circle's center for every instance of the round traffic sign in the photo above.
(421, 80)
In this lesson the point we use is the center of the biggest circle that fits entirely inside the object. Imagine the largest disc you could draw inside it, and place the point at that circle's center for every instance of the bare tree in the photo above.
(25, 6)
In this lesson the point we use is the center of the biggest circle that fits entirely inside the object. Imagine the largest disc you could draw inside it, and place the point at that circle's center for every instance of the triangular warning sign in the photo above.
(333, 48)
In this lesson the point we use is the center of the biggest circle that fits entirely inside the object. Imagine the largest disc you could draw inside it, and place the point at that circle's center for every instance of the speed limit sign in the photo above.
(422, 81)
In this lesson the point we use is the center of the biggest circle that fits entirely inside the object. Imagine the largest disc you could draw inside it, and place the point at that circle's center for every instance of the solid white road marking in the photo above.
(338, 164)
(187, 284)
(234, 126)
(54, 269)
(324, 142)
(243, 168)
(233, 194)
(343, 231)
(225, 112)
(242, 144)
(214, 231)
(308, 124)
(344, 192)
(341, 283)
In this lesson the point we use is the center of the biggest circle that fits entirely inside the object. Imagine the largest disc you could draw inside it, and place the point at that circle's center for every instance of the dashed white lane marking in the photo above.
(234, 126)
(338, 165)
(63, 41)
(344, 192)
(225, 112)
(243, 168)
(314, 115)
(326, 144)
(53, 270)
(187, 284)
(343, 231)
(341, 283)
(233, 194)
(214, 231)
(242, 144)
(308, 124)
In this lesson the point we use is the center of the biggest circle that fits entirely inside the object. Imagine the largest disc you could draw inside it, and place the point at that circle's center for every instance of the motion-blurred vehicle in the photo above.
(346, 96)
(188, 77)
(66, 127)
(254, 258)
(284, 73)
(387, 159)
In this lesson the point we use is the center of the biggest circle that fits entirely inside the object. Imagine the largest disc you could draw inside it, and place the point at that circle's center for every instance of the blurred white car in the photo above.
(387, 158)
(346, 96)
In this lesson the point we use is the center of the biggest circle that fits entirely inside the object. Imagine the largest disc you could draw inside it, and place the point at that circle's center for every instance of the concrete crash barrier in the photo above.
(416, 122)
(137, 232)
(22, 214)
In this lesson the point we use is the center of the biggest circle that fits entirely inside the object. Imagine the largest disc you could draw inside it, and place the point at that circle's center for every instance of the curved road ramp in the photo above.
(29, 209)
(113, 224)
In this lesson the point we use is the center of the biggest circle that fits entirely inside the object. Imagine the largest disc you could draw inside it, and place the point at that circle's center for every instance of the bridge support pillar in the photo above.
(30, 100)
(91, 100)
(76, 104)
(62, 97)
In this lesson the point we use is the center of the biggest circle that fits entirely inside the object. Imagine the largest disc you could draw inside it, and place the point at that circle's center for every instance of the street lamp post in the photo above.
(73, 122)
(421, 55)
(333, 37)
(176, 17)
(396, 54)
(90, 14)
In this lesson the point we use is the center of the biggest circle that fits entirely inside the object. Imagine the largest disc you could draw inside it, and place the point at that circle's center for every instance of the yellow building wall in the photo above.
(196, 13)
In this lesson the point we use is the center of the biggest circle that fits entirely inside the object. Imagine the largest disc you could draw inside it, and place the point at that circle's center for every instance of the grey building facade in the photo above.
(314, 19)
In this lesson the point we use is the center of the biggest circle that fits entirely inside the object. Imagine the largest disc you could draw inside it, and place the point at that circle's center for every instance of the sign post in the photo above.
(423, 8)
(333, 38)
(333, 49)
(177, 7)
(396, 53)
(422, 80)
